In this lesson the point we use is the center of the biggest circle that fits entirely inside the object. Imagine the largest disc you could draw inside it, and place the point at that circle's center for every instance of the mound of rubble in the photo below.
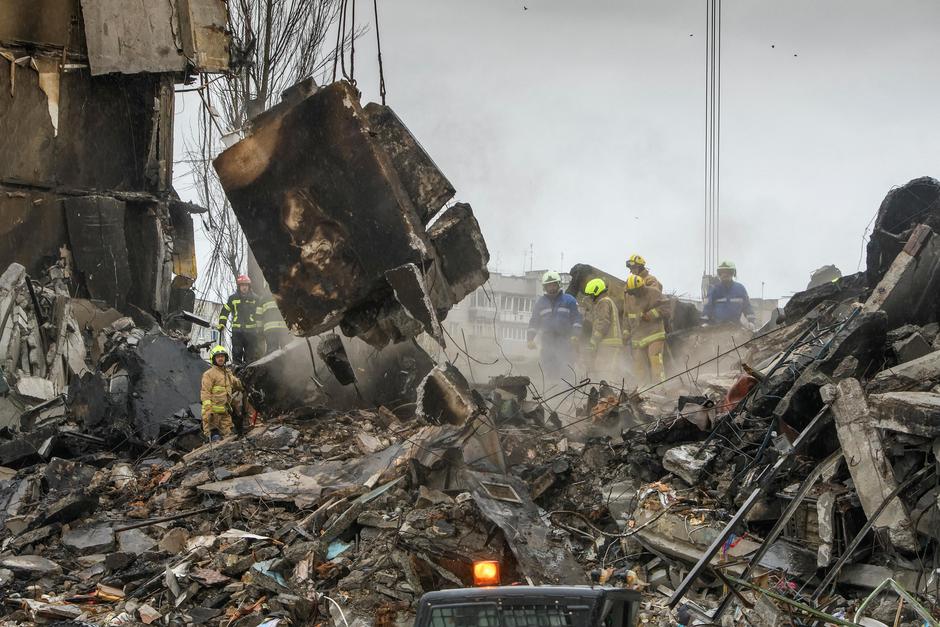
(799, 487)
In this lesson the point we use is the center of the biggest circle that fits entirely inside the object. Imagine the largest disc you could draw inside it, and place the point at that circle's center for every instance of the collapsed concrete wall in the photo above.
(88, 145)
(334, 201)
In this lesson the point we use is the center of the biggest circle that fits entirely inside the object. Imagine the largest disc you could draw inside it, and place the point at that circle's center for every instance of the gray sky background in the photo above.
(578, 127)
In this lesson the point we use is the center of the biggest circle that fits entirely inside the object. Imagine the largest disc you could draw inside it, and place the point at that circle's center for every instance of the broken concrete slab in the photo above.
(911, 347)
(903, 208)
(99, 246)
(920, 373)
(914, 413)
(458, 240)
(30, 565)
(61, 475)
(688, 462)
(89, 540)
(165, 378)
(909, 290)
(869, 465)
(35, 388)
(344, 219)
(135, 541)
(540, 558)
(71, 507)
(306, 484)
(427, 186)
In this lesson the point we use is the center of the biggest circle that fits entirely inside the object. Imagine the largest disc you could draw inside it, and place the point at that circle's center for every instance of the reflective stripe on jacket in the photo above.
(642, 332)
(558, 316)
(726, 303)
(271, 316)
(605, 321)
(219, 385)
(242, 308)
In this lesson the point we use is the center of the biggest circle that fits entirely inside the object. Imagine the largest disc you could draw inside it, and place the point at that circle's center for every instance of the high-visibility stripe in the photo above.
(277, 324)
(206, 402)
(610, 341)
(545, 311)
(649, 339)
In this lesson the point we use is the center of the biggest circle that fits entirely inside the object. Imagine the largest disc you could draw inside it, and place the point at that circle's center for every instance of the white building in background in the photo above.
(209, 310)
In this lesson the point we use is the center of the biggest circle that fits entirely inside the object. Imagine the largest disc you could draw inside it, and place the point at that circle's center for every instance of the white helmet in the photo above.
(551, 277)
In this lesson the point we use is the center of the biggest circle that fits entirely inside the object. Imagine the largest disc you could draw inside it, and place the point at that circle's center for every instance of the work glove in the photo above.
(531, 344)
(652, 314)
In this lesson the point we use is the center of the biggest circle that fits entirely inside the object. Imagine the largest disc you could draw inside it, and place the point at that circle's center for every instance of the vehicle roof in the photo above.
(515, 592)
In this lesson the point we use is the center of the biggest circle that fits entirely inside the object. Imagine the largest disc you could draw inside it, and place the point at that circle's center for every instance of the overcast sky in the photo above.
(578, 127)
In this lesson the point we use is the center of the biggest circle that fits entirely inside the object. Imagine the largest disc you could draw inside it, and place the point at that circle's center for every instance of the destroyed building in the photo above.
(798, 483)
(86, 129)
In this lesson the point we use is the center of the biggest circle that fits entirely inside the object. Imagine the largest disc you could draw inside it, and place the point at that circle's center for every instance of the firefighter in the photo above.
(606, 357)
(219, 386)
(242, 307)
(275, 330)
(727, 300)
(643, 328)
(637, 265)
(556, 316)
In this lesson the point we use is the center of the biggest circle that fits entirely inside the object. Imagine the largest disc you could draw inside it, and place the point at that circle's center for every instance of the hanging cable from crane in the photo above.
(712, 135)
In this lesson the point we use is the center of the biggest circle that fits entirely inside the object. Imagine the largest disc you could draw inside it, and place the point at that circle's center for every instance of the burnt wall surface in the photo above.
(342, 219)
(91, 185)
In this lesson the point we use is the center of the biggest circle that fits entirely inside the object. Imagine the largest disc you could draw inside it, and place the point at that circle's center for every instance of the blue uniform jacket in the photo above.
(727, 303)
(555, 317)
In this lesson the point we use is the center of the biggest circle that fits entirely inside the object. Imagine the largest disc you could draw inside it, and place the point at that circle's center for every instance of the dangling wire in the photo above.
(712, 135)
(352, 46)
(340, 44)
(378, 44)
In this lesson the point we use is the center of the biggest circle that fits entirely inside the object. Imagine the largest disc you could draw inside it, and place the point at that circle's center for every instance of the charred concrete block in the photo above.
(459, 243)
(801, 303)
(869, 465)
(426, 184)
(410, 291)
(908, 291)
(863, 338)
(919, 374)
(331, 351)
(911, 347)
(444, 397)
(96, 231)
(917, 202)
(322, 207)
(915, 413)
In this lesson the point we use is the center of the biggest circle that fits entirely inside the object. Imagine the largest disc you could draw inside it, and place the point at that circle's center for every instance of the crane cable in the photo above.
(378, 45)
(712, 134)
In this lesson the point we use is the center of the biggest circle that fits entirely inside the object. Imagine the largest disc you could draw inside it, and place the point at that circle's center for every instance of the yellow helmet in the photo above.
(595, 287)
(218, 350)
(636, 260)
(635, 282)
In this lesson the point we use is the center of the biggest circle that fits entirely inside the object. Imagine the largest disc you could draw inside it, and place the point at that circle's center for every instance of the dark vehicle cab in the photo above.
(529, 606)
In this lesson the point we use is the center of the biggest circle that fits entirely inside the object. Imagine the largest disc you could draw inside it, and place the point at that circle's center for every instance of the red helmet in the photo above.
(243, 279)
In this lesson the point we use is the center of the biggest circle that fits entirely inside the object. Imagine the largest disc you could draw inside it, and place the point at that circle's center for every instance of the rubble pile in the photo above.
(799, 486)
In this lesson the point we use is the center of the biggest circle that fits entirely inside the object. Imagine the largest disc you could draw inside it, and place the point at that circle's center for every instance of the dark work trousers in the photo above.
(244, 346)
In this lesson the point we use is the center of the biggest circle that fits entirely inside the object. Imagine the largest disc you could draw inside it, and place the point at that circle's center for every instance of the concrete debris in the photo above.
(351, 246)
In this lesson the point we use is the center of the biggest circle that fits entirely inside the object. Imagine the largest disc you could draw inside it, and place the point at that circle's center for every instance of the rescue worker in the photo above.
(637, 265)
(219, 386)
(556, 316)
(274, 328)
(242, 307)
(727, 300)
(643, 328)
(605, 361)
